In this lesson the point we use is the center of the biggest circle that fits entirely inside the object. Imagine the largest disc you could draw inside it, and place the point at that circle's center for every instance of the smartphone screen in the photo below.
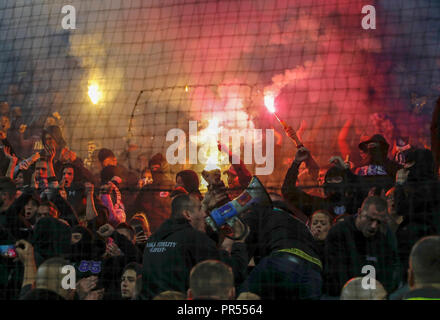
(8, 251)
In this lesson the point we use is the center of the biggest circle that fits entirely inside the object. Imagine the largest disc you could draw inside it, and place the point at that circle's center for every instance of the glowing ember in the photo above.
(94, 93)
(269, 101)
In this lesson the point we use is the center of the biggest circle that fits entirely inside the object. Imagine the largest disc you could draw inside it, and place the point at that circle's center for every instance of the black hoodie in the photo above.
(175, 249)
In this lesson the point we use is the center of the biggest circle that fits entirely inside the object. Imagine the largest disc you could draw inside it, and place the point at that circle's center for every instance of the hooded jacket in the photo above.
(175, 249)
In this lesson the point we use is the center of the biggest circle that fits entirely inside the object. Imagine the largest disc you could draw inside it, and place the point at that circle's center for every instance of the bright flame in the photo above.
(269, 101)
(212, 163)
(186, 88)
(94, 93)
(209, 137)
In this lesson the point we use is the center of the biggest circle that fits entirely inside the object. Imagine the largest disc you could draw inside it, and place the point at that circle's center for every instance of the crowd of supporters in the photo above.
(369, 230)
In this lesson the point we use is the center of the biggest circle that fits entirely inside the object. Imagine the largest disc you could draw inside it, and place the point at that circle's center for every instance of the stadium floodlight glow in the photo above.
(269, 102)
(95, 94)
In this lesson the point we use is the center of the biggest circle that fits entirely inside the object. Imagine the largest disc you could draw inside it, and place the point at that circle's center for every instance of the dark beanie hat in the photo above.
(105, 153)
